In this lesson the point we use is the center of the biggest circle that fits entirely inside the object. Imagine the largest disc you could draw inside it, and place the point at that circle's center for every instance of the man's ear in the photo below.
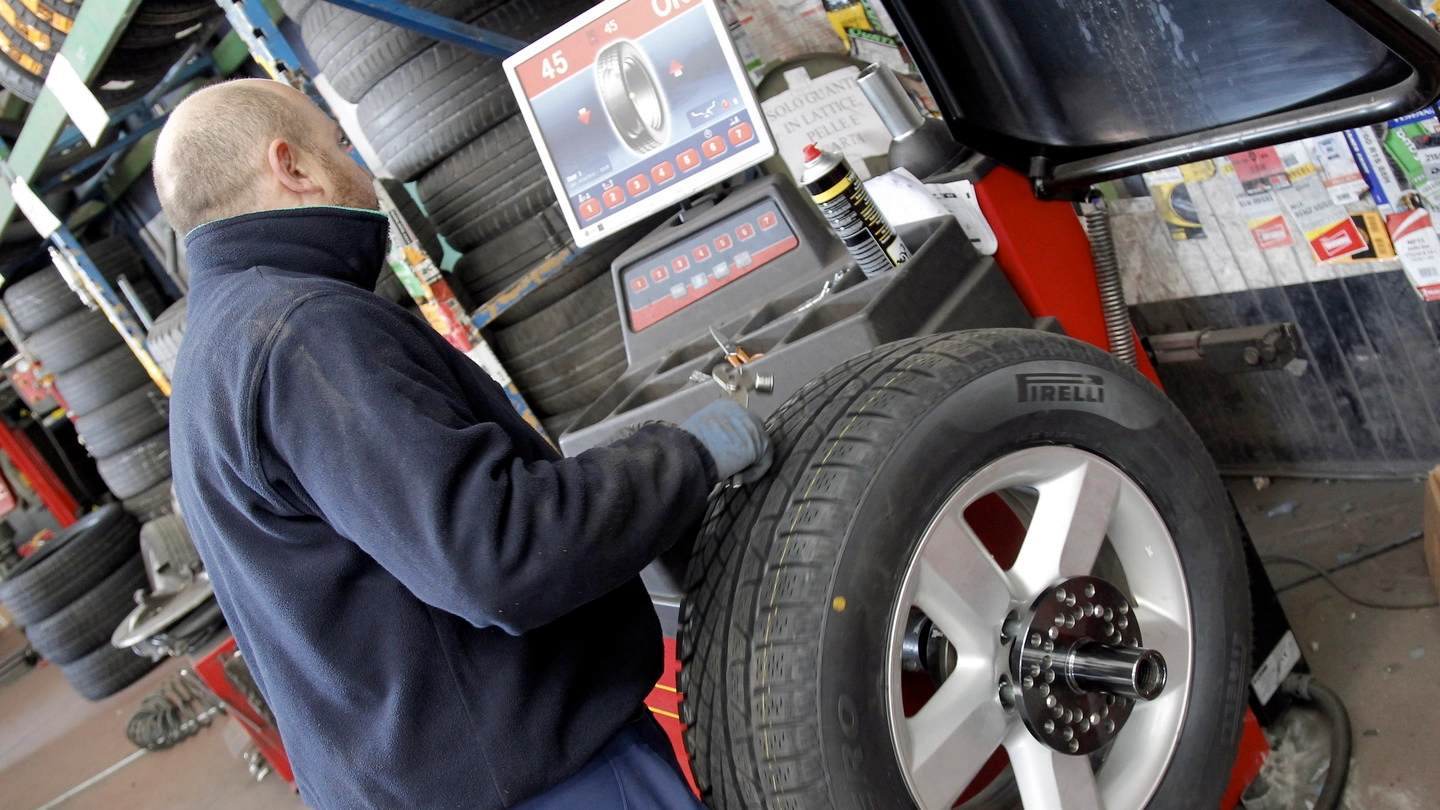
(290, 169)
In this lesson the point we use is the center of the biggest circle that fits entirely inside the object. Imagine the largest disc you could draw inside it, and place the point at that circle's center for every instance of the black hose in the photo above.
(1303, 687)
(1107, 273)
(176, 711)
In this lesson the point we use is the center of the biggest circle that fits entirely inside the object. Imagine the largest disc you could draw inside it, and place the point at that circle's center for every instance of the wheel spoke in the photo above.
(961, 588)
(953, 736)
(1048, 779)
(1068, 527)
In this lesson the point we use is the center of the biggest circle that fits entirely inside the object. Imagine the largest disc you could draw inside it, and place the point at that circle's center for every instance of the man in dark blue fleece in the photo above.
(441, 611)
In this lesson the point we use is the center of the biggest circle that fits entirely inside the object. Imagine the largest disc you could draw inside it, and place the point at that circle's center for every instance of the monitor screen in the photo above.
(635, 106)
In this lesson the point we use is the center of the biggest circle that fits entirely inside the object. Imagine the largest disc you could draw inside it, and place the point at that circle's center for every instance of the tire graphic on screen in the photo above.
(631, 94)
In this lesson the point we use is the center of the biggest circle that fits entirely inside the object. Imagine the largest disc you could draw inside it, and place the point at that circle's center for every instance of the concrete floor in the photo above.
(1383, 663)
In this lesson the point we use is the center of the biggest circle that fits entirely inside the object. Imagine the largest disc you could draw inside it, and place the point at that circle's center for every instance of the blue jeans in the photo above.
(636, 770)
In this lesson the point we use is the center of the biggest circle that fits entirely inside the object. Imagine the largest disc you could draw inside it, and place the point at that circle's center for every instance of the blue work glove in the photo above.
(735, 437)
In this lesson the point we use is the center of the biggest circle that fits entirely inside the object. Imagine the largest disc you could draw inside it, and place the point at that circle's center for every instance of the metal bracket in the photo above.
(1231, 351)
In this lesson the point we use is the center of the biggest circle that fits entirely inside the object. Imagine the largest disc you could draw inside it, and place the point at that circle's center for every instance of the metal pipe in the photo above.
(1128, 672)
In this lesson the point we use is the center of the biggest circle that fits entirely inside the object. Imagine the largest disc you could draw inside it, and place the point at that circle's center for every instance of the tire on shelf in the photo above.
(905, 481)
(114, 256)
(173, 12)
(70, 564)
(152, 504)
(494, 183)
(70, 341)
(100, 380)
(89, 621)
(564, 357)
(127, 75)
(491, 268)
(124, 422)
(446, 96)
(105, 671)
(428, 108)
(355, 51)
(138, 467)
(40, 299)
(22, 69)
(295, 9)
(167, 332)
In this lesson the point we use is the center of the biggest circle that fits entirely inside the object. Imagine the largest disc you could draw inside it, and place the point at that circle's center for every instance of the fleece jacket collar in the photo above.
(346, 244)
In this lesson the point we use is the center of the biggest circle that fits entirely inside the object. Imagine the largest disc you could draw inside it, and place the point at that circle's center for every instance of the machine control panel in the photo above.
(661, 284)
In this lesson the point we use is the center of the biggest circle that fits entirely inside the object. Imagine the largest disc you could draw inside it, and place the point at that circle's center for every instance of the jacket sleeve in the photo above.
(370, 421)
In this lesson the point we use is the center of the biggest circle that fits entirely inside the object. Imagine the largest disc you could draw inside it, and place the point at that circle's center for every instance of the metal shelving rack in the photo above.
(98, 26)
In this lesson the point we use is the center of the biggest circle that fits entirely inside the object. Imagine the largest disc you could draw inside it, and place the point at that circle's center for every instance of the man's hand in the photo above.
(735, 437)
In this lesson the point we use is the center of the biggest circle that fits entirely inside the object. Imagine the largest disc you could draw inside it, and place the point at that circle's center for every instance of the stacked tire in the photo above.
(445, 118)
(159, 33)
(121, 416)
(72, 593)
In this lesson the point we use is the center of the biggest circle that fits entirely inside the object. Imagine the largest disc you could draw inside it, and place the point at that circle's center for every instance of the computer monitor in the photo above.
(635, 106)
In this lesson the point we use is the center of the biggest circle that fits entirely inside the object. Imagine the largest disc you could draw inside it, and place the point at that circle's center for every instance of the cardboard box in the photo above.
(1432, 526)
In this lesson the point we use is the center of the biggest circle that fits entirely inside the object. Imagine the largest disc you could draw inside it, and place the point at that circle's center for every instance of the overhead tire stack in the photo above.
(72, 593)
(444, 117)
(159, 33)
(121, 416)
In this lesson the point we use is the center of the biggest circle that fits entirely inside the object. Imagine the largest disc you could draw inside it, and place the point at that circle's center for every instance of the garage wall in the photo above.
(1368, 402)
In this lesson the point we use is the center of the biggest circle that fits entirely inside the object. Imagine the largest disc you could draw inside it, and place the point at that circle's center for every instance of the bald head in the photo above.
(211, 159)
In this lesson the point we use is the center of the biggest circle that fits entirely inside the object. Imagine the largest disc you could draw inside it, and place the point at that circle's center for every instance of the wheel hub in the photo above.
(1077, 666)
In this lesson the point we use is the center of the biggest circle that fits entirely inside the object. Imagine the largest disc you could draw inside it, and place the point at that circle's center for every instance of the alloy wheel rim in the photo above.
(1085, 508)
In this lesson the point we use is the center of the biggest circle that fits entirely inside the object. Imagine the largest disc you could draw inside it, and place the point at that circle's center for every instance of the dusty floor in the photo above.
(1383, 663)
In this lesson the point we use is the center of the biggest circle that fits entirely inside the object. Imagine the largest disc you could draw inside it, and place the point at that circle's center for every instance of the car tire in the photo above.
(89, 621)
(40, 299)
(490, 269)
(100, 380)
(355, 50)
(105, 671)
(167, 332)
(801, 585)
(152, 504)
(70, 341)
(76, 559)
(494, 183)
(566, 356)
(126, 421)
(137, 468)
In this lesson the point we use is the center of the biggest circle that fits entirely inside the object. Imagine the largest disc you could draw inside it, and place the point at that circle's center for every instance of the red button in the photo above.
(701, 253)
(613, 197)
(680, 263)
(723, 242)
(713, 147)
(663, 173)
(590, 209)
(638, 283)
(767, 221)
(637, 185)
(740, 133)
(687, 160)
(659, 274)
(745, 231)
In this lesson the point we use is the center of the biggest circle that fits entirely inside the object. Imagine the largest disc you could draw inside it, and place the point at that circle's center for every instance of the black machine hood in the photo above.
(1075, 92)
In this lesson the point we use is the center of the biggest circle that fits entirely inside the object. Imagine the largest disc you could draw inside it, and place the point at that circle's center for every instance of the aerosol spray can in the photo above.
(842, 198)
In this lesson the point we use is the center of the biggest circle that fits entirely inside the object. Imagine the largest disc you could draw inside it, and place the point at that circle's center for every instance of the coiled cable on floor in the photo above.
(1107, 273)
(1303, 687)
(176, 711)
